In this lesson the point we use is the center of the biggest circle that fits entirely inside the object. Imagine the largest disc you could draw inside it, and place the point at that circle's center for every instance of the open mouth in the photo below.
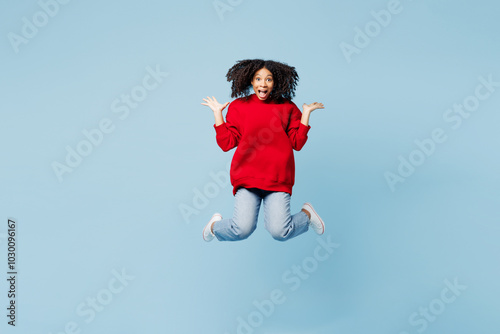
(262, 93)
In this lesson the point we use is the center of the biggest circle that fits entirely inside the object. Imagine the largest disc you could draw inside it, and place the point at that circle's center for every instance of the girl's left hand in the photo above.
(308, 108)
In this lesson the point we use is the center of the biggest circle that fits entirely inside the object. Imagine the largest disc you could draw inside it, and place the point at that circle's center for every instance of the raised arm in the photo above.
(227, 133)
(298, 126)
(307, 109)
(216, 108)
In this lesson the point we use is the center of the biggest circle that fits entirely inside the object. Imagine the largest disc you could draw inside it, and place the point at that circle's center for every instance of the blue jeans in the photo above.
(277, 218)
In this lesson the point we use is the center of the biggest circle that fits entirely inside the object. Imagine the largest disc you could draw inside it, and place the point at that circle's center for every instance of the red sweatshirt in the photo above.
(265, 133)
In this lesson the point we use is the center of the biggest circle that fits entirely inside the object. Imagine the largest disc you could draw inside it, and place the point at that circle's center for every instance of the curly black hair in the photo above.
(284, 76)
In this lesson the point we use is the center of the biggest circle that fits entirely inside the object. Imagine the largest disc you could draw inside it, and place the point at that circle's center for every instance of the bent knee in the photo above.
(279, 229)
(242, 235)
(242, 232)
(279, 238)
(279, 234)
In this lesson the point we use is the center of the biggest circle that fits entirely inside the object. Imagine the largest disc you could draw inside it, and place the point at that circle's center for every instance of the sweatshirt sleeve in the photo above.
(296, 131)
(228, 134)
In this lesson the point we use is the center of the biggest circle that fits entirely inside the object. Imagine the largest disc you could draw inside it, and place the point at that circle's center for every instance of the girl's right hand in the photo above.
(214, 105)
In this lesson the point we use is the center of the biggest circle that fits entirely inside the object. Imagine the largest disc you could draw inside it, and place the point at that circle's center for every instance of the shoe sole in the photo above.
(321, 220)
(210, 223)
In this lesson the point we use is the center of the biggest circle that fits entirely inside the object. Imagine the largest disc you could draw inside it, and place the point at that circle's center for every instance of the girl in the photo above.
(266, 127)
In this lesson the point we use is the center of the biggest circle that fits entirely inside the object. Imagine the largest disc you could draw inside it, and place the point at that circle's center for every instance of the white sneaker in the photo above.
(316, 223)
(207, 231)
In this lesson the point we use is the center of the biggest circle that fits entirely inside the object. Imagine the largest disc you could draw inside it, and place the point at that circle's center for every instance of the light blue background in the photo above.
(120, 209)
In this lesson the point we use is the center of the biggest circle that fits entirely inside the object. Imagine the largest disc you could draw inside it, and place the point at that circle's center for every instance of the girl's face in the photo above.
(263, 83)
